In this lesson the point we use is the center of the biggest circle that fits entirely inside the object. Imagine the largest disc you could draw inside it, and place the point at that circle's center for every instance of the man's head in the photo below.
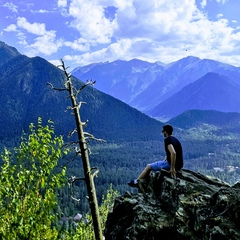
(167, 129)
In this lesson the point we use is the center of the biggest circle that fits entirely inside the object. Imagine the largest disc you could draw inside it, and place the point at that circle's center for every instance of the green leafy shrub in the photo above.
(28, 181)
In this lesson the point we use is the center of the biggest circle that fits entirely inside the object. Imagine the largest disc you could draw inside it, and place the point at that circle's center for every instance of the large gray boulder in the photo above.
(190, 207)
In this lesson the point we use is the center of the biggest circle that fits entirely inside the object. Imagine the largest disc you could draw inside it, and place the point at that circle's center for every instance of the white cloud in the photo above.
(62, 3)
(104, 30)
(34, 28)
(174, 24)
(44, 44)
(123, 4)
(222, 1)
(80, 45)
(11, 7)
(11, 28)
(90, 21)
(119, 50)
(153, 30)
(220, 15)
(40, 11)
(203, 3)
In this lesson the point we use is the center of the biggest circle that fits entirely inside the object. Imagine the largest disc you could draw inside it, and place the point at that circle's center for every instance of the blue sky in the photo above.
(82, 31)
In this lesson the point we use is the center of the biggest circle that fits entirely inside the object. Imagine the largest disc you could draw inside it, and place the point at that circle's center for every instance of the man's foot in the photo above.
(133, 183)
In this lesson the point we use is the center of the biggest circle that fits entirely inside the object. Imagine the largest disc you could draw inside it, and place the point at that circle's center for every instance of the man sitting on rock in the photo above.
(173, 160)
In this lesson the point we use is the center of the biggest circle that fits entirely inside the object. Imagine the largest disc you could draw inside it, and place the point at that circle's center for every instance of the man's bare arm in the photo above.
(173, 159)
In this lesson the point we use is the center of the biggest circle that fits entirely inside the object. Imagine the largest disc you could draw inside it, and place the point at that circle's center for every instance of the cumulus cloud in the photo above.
(161, 30)
(44, 44)
(119, 50)
(103, 30)
(44, 41)
(90, 21)
(11, 28)
(34, 28)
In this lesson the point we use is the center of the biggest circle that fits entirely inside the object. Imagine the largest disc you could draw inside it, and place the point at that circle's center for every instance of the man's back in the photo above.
(178, 149)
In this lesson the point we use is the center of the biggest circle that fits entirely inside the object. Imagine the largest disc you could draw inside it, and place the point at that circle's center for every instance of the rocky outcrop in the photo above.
(190, 207)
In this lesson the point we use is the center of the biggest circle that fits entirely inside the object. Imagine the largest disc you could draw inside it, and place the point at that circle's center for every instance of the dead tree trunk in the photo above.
(89, 175)
(86, 166)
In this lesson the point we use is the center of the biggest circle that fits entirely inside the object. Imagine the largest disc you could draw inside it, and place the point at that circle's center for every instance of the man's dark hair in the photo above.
(168, 128)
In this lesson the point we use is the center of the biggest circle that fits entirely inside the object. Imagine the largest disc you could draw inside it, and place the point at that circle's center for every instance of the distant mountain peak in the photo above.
(213, 91)
(7, 53)
(86, 68)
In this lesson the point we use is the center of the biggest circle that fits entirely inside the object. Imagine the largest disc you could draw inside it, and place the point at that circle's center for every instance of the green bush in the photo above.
(28, 181)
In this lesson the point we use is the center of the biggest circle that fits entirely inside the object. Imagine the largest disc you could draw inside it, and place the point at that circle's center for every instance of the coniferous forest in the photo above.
(210, 141)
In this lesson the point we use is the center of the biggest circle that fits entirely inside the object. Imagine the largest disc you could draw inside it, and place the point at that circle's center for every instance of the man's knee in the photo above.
(148, 167)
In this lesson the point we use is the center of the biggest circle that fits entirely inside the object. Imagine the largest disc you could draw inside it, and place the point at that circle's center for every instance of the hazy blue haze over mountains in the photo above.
(25, 95)
(211, 92)
(146, 85)
(226, 122)
(121, 79)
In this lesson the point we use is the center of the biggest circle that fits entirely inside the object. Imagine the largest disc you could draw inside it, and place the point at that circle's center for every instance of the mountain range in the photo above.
(163, 90)
(132, 137)
(25, 95)
(210, 92)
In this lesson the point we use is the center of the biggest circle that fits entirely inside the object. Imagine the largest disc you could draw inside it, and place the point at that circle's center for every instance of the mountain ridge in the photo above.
(195, 118)
(25, 95)
(7, 53)
(112, 77)
(211, 92)
(159, 82)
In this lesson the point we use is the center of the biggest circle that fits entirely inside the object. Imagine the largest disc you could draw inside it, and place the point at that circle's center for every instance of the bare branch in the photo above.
(58, 89)
(89, 151)
(80, 104)
(75, 199)
(78, 151)
(84, 124)
(94, 171)
(71, 180)
(67, 145)
(89, 83)
(69, 161)
(72, 132)
(90, 136)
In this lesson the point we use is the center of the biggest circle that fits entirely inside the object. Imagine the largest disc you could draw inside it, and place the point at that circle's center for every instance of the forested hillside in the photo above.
(210, 142)
(210, 139)
(25, 95)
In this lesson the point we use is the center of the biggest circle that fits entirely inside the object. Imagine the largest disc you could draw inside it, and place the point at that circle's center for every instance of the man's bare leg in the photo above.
(145, 172)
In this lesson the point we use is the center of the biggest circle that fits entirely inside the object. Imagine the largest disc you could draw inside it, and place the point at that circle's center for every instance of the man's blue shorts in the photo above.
(157, 166)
